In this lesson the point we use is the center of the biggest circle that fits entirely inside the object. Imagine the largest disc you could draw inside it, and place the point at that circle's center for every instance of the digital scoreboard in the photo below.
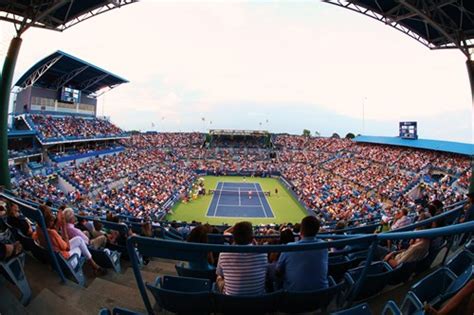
(408, 130)
(70, 95)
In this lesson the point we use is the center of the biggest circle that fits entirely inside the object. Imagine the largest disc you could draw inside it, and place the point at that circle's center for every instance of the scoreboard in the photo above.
(70, 95)
(408, 130)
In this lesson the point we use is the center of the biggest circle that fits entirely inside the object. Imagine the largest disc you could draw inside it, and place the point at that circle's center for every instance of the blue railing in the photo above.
(198, 252)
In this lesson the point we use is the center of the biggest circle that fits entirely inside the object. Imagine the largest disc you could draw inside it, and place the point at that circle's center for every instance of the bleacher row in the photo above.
(354, 276)
(66, 127)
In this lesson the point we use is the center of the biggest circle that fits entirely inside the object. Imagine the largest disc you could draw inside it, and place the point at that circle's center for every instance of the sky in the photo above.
(282, 66)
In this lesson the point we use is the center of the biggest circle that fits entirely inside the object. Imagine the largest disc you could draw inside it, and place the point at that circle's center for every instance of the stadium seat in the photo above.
(470, 246)
(309, 301)
(256, 304)
(435, 289)
(378, 276)
(402, 273)
(73, 267)
(117, 311)
(391, 308)
(361, 309)
(339, 265)
(110, 259)
(182, 295)
(460, 262)
(185, 271)
(12, 270)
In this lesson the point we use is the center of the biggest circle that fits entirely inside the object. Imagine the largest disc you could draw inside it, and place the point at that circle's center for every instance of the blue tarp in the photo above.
(436, 145)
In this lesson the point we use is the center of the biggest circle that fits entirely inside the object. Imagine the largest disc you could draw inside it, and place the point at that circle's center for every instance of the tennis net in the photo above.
(242, 192)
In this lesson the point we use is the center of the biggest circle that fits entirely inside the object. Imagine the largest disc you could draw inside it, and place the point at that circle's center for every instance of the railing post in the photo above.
(358, 284)
(138, 276)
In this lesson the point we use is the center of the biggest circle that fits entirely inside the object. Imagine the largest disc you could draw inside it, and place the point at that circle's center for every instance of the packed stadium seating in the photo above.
(335, 179)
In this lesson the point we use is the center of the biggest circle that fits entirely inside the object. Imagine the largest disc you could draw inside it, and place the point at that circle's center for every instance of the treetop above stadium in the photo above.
(435, 24)
(54, 15)
(63, 70)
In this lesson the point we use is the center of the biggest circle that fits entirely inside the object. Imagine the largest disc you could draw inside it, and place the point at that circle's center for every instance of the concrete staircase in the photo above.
(51, 297)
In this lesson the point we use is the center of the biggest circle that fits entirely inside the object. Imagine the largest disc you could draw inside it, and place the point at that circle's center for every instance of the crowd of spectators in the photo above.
(335, 177)
(73, 127)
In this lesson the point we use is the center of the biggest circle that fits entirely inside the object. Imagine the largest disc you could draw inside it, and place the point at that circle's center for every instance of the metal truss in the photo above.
(63, 80)
(37, 74)
(40, 13)
(428, 12)
(87, 84)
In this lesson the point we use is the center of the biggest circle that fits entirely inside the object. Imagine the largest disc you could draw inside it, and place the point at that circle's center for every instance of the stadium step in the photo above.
(161, 267)
(127, 278)
(48, 303)
(103, 293)
(9, 301)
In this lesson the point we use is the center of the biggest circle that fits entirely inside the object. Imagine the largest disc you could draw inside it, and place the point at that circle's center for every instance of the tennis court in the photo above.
(234, 200)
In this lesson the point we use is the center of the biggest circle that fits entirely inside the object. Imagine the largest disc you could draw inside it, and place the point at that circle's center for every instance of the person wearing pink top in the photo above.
(72, 231)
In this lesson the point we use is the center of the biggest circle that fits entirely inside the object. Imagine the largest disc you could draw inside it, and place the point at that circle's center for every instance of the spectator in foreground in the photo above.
(199, 235)
(62, 244)
(304, 270)
(15, 220)
(241, 273)
(72, 231)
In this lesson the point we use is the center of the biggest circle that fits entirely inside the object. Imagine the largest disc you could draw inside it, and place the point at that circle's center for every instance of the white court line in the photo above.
(240, 203)
(217, 205)
(243, 206)
(259, 199)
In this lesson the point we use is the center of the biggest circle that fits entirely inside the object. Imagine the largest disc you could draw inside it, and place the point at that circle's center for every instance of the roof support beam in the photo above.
(433, 24)
(398, 18)
(62, 81)
(35, 76)
(87, 84)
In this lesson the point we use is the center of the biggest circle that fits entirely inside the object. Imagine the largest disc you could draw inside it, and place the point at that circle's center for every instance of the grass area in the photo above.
(285, 208)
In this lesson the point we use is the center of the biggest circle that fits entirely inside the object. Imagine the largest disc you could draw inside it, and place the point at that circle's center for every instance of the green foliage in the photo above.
(350, 135)
(306, 133)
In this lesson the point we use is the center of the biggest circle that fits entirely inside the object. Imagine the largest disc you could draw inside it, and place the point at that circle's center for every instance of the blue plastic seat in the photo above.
(185, 271)
(117, 311)
(361, 309)
(106, 260)
(339, 265)
(470, 246)
(237, 304)
(391, 308)
(73, 267)
(309, 301)
(378, 276)
(460, 262)
(435, 289)
(402, 273)
(13, 271)
(182, 295)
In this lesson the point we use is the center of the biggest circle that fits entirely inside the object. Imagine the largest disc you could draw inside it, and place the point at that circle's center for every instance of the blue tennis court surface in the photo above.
(234, 200)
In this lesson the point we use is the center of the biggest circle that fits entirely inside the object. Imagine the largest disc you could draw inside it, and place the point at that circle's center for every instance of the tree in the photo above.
(350, 135)
(335, 136)
(317, 134)
(306, 133)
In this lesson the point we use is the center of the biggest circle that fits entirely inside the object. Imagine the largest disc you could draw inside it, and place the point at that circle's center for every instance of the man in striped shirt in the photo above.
(242, 273)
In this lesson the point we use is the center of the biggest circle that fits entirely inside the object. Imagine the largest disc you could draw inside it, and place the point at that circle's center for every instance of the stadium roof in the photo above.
(61, 69)
(437, 145)
(435, 23)
(54, 14)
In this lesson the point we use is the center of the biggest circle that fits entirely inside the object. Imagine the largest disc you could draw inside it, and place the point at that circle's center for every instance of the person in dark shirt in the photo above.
(15, 220)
